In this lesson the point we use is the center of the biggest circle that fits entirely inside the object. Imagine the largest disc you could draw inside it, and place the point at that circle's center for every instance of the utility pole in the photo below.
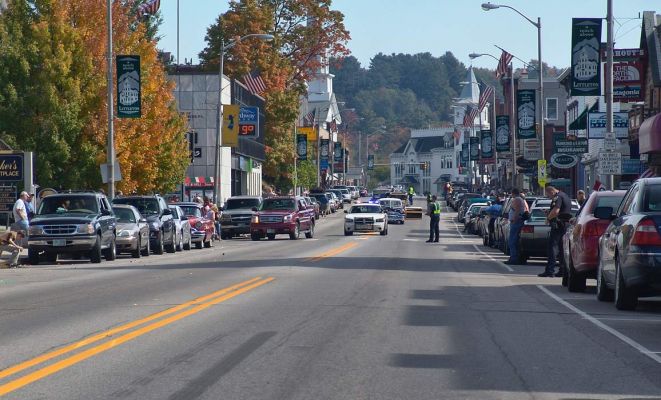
(610, 134)
(111, 132)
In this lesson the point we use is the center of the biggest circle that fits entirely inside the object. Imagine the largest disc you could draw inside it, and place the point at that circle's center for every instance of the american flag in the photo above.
(150, 7)
(332, 126)
(485, 96)
(308, 120)
(505, 59)
(255, 83)
(469, 116)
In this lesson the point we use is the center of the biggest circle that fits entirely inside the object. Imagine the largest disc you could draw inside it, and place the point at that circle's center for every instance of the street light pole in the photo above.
(219, 128)
(111, 132)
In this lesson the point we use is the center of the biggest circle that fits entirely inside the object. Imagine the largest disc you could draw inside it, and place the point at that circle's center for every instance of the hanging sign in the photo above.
(249, 122)
(597, 125)
(337, 152)
(302, 146)
(128, 86)
(370, 162)
(502, 133)
(627, 81)
(525, 100)
(474, 148)
(585, 64)
(563, 145)
(563, 161)
(487, 144)
(230, 125)
(541, 172)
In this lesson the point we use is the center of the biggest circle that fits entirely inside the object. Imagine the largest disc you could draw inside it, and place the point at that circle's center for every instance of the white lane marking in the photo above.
(626, 339)
(507, 267)
(628, 319)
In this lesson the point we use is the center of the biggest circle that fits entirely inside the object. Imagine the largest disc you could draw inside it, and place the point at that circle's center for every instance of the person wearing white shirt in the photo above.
(20, 213)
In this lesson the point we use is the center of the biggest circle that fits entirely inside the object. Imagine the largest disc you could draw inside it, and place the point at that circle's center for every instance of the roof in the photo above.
(650, 40)
(409, 179)
(423, 144)
(401, 149)
(470, 91)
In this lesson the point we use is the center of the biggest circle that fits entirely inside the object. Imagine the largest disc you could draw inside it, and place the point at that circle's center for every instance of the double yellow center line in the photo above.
(332, 252)
(173, 314)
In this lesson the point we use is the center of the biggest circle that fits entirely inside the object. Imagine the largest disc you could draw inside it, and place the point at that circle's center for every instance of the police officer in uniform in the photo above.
(434, 212)
(411, 192)
(558, 218)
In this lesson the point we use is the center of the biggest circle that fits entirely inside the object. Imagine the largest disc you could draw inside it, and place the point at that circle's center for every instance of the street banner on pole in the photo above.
(323, 153)
(370, 162)
(474, 148)
(541, 172)
(337, 152)
(487, 144)
(231, 125)
(502, 133)
(128, 86)
(585, 61)
(302, 146)
(525, 100)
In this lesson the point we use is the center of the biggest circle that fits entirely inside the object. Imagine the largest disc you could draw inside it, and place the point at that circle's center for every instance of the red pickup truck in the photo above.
(282, 215)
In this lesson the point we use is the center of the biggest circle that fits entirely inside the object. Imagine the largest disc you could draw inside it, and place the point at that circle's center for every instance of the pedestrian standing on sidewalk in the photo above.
(516, 217)
(20, 212)
(434, 212)
(8, 242)
(557, 218)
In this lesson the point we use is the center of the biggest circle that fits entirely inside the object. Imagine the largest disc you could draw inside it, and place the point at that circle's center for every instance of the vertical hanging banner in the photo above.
(464, 154)
(525, 112)
(502, 133)
(486, 145)
(231, 125)
(541, 173)
(302, 146)
(337, 152)
(474, 148)
(323, 153)
(370, 162)
(585, 61)
(128, 86)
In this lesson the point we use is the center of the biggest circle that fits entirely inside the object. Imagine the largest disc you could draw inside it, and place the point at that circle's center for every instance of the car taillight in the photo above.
(528, 229)
(646, 234)
(593, 228)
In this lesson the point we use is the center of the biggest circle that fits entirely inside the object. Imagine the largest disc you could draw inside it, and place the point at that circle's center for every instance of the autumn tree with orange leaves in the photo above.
(305, 32)
(53, 97)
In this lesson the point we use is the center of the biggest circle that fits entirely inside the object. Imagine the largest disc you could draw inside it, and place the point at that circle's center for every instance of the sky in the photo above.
(434, 26)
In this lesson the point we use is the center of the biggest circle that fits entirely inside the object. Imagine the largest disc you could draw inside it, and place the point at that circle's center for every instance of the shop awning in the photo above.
(443, 178)
(409, 179)
(198, 181)
(649, 135)
(581, 123)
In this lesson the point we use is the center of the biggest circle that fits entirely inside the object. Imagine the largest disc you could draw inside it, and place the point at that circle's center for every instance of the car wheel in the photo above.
(172, 247)
(138, 249)
(255, 237)
(297, 232)
(110, 254)
(270, 236)
(604, 293)
(180, 242)
(147, 249)
(310, 234)
(51, 257)
(384, 232)
(198, 245)
(575, 280)
(208, 244)
(625, 298)
(33, 257)
(348, 233)
(95, 253)
(188, 244)
(159, 248)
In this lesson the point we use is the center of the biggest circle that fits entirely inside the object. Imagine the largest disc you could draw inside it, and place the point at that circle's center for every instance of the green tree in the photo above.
(307, 174)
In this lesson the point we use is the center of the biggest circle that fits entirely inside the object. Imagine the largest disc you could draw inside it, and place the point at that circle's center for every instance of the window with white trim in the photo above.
(552, 108)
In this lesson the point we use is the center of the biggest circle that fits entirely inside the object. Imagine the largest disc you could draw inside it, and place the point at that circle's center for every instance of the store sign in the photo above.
(11, 167)
(610, 163)
(308, 131)
(563, 145)
(585, 60)
(627, 81)
(631, 166)
(249, 122)
(531, 150)
(502, 133)
(563, 161)
(597, 125)
(525, 100)
(7, 198)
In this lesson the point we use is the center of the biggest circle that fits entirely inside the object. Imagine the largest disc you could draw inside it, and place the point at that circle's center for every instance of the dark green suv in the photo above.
(78, 224)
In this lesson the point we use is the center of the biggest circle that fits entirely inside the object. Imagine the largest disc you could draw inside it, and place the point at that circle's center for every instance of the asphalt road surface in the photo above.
(334, 317)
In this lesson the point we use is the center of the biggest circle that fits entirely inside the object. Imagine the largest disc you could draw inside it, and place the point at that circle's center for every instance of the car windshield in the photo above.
(653, 198)
(365, 209)
(320, 198)
(233, 204)
(608, 201)
(175, 213)
(124, 215)
(192, 211)
(278, 204)
(63, 204)
(537, 214)
(146, 206)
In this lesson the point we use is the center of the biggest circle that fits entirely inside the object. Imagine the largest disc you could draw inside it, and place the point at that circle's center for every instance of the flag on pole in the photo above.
(149, 8)
(469, 116)
(332, 126)
(485, 96)
(308, 120)
(255, 83)
(505, 59)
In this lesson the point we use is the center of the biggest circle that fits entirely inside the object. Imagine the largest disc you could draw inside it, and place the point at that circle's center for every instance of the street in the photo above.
(334, 317)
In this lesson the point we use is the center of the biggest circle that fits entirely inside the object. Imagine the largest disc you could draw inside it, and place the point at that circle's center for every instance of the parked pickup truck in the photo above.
(282, 215)
(237, 215)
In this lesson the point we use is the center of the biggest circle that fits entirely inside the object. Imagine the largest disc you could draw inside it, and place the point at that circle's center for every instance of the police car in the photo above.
(365, 217)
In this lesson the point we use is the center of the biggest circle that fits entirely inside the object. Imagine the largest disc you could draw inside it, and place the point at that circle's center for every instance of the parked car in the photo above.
(630, 248)
(282, 215)
(339, 197)
(334, 202)
(501, 227)
(159, 217)
(472, 216)
(355, 193)
(183, 237)
(312, 202)
(202, 228)
(343, 194)
(365, 218)
(395, 210)
(132, 231)
(466, 203)
(581, 241)
(236, 215)
(323, 201)
(79, 224)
